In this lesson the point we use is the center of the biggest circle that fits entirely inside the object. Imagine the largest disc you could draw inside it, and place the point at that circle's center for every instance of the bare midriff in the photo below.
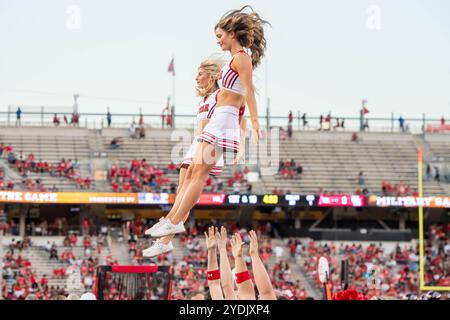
(228, 98)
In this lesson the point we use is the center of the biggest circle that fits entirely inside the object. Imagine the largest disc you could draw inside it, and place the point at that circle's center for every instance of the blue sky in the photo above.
(322, 55)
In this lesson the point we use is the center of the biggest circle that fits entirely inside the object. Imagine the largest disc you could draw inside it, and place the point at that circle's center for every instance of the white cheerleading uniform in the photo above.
(205, 111)
(223, 129)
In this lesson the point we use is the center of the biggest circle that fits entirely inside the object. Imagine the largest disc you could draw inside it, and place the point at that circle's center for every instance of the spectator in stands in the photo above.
(361, 179)
(12, 158)
(436, 174)
(289, 131)
(280, 166)
(401, 122)
(108, 118)
(237, 187)
(115, 143)
(428, 171)
(141, 130)
(56, 120)
(172, 167)
(337, 125)
(442, 121)
(320, 122)
(290, 117)
(365, 124)
(53, 253)
(355, 137)
(66, 121)
(132, 130)
(141, 120)
(305, 122)
(342, 123)
(75, 121)
(87, 183)
(18, 116)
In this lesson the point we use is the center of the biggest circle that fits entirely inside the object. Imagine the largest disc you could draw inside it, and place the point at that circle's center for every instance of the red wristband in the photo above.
(243, 276)
(213, 274)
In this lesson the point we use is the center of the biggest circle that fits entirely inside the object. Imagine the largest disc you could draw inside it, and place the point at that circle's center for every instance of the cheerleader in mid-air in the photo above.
(236, 31)
(207, 88)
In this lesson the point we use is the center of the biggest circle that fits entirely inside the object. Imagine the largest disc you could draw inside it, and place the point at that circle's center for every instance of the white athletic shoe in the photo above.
(157, 248)
(168, 228)
(155, 226)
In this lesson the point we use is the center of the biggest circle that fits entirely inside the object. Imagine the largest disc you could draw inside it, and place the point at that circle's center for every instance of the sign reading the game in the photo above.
(428, 202)
(153, 198)
(341, 201)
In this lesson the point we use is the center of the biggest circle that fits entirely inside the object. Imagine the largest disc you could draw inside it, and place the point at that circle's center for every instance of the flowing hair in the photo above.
(249, 31)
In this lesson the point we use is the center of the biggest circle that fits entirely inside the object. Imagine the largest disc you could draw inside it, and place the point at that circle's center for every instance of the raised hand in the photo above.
(236, 245)
(253, 243)
(210, 238)
(221, 238)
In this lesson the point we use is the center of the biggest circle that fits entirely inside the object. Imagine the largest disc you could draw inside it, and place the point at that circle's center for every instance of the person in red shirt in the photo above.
(87, 183)
(127, 173)
(292, 173)
(114, 170)
(127, 187)
(135, 164)
(44, 280)
(80, 182)
(115, 187)
(172, 167)
(85, 228)
(284, 172)
(86, 243)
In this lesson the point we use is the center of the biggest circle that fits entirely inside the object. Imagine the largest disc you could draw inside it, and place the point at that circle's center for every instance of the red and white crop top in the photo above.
(229, 78)
(206, 107)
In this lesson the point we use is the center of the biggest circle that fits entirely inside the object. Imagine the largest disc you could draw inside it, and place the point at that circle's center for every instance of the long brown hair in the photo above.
(249, 31)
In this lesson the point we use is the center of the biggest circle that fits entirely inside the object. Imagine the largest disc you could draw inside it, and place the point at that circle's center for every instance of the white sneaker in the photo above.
(155, 226)
(168, 228)
(157, 248)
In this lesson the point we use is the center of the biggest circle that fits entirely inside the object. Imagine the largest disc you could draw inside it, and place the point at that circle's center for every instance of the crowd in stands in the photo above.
(65, 168)
(238, 182)
(19, 279)
(5, 185)
(190, 271)
(397, 272)
(400, 189)
(289, 169)
(137, 131)
(437, 252)
(136, 176)
(74, 120)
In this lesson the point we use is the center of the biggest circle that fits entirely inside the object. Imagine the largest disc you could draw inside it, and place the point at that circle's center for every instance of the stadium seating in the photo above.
(331, 161)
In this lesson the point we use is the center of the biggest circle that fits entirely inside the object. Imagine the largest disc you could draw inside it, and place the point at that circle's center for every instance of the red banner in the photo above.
(341, 201)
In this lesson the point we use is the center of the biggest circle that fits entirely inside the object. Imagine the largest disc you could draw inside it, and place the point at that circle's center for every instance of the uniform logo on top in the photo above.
(204, 108)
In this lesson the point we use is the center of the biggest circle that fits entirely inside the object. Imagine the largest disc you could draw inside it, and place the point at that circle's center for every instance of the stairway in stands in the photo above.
(40, 262)
(296, 272)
